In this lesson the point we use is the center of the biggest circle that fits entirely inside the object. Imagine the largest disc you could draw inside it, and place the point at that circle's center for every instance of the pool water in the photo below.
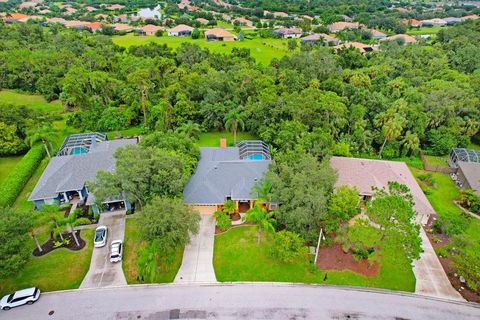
(255, 156)
(78, 150)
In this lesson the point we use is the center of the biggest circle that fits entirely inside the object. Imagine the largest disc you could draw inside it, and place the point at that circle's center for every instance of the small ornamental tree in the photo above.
(288, 247)
(261, 217)
(223, 220)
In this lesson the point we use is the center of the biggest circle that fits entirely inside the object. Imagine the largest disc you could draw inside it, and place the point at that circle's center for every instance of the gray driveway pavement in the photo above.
(102, 272)
(240, 301)
(197, 264)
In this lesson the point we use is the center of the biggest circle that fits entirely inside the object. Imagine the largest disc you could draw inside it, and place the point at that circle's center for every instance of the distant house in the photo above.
(470, 17)
(122, 27)
(362, 47)
(56, 20)
(377, 35)
(437, 22)
(412, 22)
(324, 38)
(227, 174)
(76, 24)
(115, 7)
(65, 178)
(90, 8)
(27, 5)
(149, 30)
(219, 34)
(365, 174)
(202, 21)
(242, 22)
(95, 26)
(181, 30)
(339, 26)
(287, 33)
(15, 17)
(453, 21)
(280, 14)
(402, 37)
(346, 18)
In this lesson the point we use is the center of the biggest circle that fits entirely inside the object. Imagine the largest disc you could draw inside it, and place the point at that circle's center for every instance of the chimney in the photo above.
(223, 142)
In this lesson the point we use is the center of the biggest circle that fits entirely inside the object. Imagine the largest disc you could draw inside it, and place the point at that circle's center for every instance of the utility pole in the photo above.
(320, 238)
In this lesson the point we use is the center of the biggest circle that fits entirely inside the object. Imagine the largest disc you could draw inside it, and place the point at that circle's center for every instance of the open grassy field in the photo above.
(263, 50)
(33, 101)
(133, 244)
(59, 270)
(424, 30)
(212, 139)
(237, 257)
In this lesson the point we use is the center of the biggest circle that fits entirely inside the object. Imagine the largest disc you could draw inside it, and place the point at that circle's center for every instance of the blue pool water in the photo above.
(78, 150)
(255, 156)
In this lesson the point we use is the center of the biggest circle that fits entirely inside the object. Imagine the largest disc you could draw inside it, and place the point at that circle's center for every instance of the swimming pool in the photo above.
(78, 150)
(255, 156)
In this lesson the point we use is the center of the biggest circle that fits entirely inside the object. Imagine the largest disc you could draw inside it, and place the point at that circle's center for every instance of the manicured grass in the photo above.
(133, 244)
(439, 160)
(263, 50)
(133, 131)
(212, 139)
(425, 30)
(58, 270)
(237, 257)
(33, 101)
(6, 165)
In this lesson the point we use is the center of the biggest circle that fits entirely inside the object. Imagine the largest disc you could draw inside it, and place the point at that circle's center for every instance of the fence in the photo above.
(436, 167)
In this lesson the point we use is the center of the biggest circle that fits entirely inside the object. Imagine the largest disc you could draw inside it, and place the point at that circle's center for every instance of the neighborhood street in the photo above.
(240, 301)
(102, 272)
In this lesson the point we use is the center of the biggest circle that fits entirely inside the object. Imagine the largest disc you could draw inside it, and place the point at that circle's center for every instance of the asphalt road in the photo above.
(239, 301)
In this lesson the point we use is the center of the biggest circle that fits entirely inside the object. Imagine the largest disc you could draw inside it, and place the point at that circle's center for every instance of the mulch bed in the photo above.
(49, 245)
(235, 217)
(334, 258)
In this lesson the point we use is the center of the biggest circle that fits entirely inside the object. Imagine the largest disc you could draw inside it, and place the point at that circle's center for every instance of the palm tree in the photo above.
(411, 142)
(234, 120)
(391, 130)
(229, 207)
(263, 189)
(262, 218)
(44, 134)
(191, 129)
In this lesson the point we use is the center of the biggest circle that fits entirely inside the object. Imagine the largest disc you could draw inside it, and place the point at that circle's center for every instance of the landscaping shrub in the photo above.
(288, 247)
(223, 220)
(81, 222)
(428, 179)
(450, 225)
(470, 200)
(16, 180)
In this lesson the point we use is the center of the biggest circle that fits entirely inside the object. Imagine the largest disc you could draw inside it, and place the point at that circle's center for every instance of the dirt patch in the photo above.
(334, 258)
(49, 245)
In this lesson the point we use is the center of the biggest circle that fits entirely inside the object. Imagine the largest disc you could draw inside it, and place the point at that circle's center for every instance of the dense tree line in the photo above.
(390, 103)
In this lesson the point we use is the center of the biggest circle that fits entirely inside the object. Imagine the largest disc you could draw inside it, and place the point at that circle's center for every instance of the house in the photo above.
(470, 17)
(462, 154)
(243, 22)
(122, 27)
(280, 14)
(27, 5)
(365, 174)
(219, 34)
(227, 174)
(95, 26)
(346, 18)
(339, 26)
(412, 22)
(90, 8)
(405, 38)
(377, 35)
(437, 22)
(468, 175)
(149, 30)
(202, 21)
(15, 17)
(288, 33)
(115, 7)
(324, 38)
(56, 20)
(364, 48)
(76, 24)
(65, 178)
(453, 21)
(183, 4)
(181, 30)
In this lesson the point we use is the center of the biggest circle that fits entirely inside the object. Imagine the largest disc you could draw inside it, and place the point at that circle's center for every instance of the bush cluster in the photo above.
(16, 180)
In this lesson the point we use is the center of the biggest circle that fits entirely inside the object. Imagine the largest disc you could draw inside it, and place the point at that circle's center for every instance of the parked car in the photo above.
(100, 236)
(19, 298)
(117, 251)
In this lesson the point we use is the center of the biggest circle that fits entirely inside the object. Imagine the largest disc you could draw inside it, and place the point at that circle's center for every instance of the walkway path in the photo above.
(431, 278)
(197, 264)
(102, 272)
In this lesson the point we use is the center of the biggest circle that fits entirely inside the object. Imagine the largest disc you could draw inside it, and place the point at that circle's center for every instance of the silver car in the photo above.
(100, 239)
(116, 252)
(19, 298)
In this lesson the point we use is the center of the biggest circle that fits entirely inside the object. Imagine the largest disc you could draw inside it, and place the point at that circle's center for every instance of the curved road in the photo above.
(239, 301)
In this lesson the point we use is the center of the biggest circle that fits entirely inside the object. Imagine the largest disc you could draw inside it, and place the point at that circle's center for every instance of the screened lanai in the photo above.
(80, 143)
(463, 154)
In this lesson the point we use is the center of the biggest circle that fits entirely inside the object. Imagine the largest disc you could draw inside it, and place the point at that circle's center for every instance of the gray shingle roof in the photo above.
(471, 171)
(71, 172)
(221, 173)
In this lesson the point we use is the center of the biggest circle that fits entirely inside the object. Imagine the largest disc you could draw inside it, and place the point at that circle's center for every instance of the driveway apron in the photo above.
(197, 264)
(102, 272)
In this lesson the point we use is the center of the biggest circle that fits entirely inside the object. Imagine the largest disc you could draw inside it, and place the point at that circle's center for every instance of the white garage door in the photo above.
(207, 210)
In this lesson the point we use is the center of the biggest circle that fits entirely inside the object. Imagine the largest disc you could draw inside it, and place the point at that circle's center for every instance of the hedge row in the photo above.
(17, 179)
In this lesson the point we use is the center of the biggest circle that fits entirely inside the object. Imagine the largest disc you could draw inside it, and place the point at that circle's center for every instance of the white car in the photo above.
(117, 251)
(19, 298)
(100, 239)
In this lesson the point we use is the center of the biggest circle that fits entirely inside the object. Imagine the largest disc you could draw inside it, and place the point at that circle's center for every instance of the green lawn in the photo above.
(59, 270)
(212, 139)
(133, 131)
(7, 164)
(424, 30)
(133, 244)
(263, 50)
(33, 101)
(237, 257)
(438, 160)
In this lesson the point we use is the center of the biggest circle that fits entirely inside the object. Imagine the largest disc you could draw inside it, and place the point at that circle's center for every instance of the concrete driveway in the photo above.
(431, 278)
(102, 272)
(197, 264)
